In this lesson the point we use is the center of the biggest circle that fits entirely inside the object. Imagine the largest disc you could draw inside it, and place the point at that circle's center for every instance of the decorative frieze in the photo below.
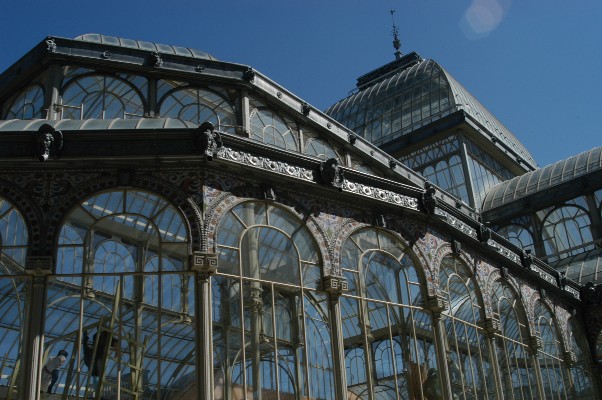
(381, 194)
(544, 275)
(456, 223)
(266, 164)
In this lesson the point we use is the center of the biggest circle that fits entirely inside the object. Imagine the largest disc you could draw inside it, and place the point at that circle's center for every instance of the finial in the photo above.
(396, 42)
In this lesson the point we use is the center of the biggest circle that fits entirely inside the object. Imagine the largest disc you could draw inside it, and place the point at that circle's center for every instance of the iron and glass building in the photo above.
(234, 242)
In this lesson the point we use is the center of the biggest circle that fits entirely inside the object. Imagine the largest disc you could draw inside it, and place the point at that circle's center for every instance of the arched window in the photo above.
(319, 148)
(14, 289)
(384, 307)
(27, 105)
(582, 382)
(269, 127)
(271, 331)
(551, 363)
(519, 236)
(199, 105)
(515, 362)
(101, 97)
(469, 366)
(122, 274)
(566, 232)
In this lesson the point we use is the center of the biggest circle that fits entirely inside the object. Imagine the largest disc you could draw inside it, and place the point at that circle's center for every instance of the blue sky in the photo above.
(533, 63)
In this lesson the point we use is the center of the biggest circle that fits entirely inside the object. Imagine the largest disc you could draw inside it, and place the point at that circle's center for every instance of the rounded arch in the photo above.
(101, 96)
(270, 127)
(565, 230)
(551, 355)
(386, 289)
(174, 195)
(509, 290)
(468, 357)
(580, 367)
(519, 235)
(226, 201)
(31, 214)
(27, 104)
(513, 342)
(198, 105)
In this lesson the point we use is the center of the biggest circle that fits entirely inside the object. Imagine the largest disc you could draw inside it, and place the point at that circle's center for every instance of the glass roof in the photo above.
(411, 97)
(583, 267)
(544, 178)
(94, 124)
(137, 44)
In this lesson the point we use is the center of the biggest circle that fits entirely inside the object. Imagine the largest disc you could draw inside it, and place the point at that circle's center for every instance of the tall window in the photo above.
(516, 363)
(551, 363)
(469, 367)
(122, 276)
(271, 328)
(388, 336)
(101, 97)
(14, 289)
(582, 382)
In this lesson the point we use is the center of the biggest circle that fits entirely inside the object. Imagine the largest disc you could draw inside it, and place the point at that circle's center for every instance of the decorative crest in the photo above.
(209, 140)
(47, 142)
(429, 201)
(332, 173)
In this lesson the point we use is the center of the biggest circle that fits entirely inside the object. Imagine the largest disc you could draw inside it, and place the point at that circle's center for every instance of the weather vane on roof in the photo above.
(396, 42)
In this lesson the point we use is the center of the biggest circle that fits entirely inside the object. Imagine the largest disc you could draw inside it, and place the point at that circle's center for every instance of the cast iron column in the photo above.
(492, 327)
(336, 286)
(437, 304)
(31, 357)
(205, 265)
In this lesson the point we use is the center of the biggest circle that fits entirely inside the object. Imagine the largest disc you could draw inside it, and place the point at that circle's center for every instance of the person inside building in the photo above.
(50, 371)
(95, 361)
